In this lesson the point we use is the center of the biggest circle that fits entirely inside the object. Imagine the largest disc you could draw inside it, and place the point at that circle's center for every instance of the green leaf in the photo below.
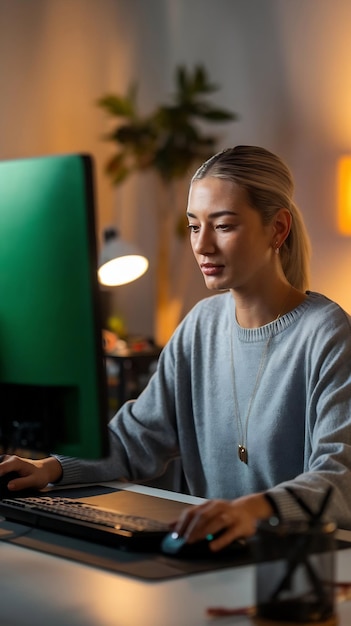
(181, 78)
(116, 169)
(170, 139)
(117, 106)
(219, 115)
(120, 106)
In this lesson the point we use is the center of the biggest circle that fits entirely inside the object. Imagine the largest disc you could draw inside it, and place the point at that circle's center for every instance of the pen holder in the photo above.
(295, 571)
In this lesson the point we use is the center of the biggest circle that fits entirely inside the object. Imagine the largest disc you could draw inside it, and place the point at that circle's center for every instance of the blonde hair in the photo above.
(269, 186)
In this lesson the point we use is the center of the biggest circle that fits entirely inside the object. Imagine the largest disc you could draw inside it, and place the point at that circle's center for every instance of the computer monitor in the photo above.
(53, 391)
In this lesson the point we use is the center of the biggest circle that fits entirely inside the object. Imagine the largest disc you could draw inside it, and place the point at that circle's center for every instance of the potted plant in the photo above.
(170, 140)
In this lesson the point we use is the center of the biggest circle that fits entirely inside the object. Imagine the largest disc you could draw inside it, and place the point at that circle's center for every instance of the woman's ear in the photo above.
(281, 225)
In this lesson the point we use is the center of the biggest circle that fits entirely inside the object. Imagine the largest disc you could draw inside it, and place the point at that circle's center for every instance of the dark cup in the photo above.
(295, 571)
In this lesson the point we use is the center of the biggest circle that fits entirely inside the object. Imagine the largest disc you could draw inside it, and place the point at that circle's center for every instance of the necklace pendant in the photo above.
(242, 453)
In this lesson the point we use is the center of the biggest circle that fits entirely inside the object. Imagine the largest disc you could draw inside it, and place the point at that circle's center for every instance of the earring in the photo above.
(276, 249)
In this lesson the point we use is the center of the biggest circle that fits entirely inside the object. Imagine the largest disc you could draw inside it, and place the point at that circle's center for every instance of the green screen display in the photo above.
(52, 375)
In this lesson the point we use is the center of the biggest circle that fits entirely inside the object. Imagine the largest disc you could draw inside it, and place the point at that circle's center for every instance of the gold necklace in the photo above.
(242, 447)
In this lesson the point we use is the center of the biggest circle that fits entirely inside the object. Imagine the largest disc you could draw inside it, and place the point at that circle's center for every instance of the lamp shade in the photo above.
(120, 262)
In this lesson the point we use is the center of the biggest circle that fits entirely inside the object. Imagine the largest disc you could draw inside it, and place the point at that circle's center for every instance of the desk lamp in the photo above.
(120, 262)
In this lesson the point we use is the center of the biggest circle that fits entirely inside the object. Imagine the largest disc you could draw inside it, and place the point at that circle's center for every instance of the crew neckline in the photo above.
(273, 328)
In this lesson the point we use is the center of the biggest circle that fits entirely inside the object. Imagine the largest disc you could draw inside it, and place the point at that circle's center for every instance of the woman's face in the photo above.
(232, 247)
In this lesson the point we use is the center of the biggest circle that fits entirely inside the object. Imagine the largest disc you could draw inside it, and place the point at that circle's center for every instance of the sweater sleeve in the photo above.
(327, 429)
(142, 436)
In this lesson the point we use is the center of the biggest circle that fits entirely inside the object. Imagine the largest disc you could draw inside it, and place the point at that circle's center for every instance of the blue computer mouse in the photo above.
(175, 545)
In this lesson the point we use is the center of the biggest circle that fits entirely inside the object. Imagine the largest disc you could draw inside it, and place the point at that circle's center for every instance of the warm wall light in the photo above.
(120, 262)
(344, 195)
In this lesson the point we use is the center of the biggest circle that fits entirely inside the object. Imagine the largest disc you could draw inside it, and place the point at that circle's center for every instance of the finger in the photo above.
(239, 529)
(19, 483)
(225, 538)
(7, 464)
(204, 521)
(184, 520)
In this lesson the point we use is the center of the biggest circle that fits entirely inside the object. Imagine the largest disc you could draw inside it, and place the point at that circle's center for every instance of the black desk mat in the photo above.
(146, 566)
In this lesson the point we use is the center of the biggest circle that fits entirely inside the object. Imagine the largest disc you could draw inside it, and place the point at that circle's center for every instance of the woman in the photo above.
(253, 391)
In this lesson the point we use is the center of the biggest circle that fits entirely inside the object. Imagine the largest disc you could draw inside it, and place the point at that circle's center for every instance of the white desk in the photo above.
(38, 589)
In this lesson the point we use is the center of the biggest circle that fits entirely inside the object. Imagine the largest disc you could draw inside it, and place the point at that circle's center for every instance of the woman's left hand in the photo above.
(231, 519)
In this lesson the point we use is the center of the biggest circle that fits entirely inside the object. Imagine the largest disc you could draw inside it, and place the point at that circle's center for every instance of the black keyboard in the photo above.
(86, 521)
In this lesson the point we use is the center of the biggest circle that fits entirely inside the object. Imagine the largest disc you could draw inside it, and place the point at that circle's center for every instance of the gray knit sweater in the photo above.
(298, 429)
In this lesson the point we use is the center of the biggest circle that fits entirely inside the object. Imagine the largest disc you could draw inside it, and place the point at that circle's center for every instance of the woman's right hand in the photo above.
(32, 473)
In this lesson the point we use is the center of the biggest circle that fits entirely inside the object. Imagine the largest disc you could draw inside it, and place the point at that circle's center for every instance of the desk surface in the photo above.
(38, 589)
